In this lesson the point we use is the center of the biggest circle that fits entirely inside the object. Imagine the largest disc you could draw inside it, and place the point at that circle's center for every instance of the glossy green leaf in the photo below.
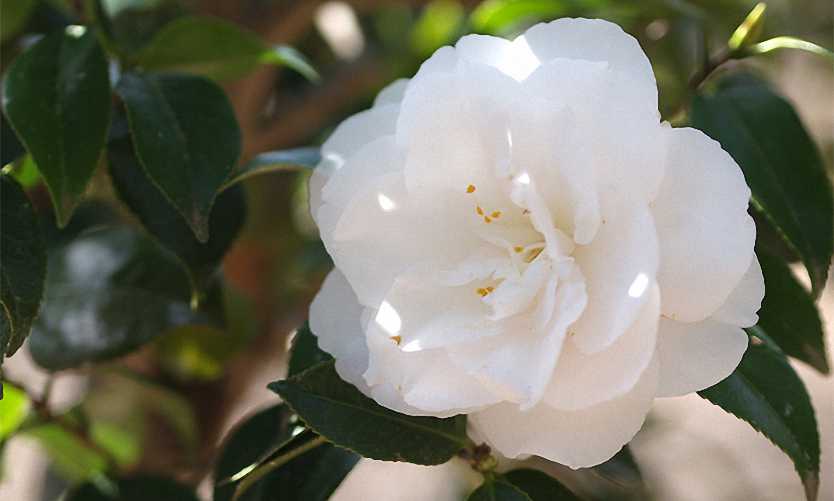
(540, 486)
(495, 16)
(22, 266)
(164, 223)
(137, 488)
(108, 292)
(766, 392)
(13, 16)
(499, 490)
(14, 406)
(789, 316)
(343, 415)
(56, 96)
(305, 351)
(216, 48)
(277, 161)
(186, 137)
(762, 132)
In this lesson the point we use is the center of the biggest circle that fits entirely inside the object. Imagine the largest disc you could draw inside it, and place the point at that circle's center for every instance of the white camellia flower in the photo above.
(518, 237)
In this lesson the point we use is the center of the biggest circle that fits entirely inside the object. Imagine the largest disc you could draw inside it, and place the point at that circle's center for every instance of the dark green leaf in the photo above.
(56, 95)
(277, 161)
(789, 316)
(346, 417)
(305, 352)
(499, 490)
(22, 266)
(540, 486)
(762, 132)
(215, 48)
(312, 476)
(10, 147)
(766, 392)
(163, 221)
(13, 16)
(138, 488)
(108, 292)
(186, 137)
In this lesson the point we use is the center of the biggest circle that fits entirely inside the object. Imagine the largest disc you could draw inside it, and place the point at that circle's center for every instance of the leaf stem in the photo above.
(272, 465)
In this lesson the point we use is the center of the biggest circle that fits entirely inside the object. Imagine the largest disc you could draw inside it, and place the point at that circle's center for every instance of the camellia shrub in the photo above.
(513, 251)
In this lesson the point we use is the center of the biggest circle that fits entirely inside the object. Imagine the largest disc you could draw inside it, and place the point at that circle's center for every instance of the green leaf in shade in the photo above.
(438, 25)
(13, 16)
(343, 415)
(762, 132)
(10, 147)
(277, 161)
(499, 490)
(496, 16)
(186, 137)
(56, 96)
(624, 474)
(789, 316)
(196, 352)
(70, 455)
(312, 476)
(766, 392)
(108, 292)
(164, 223)
(137, 488)
(540, 486)
(22, 266)
(217, 49)
(14, 406)
(305, 352)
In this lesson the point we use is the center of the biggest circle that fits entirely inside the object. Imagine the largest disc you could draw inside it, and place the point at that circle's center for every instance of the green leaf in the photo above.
(13, 16)
(540, 486)
(108, 292)
(186, 137)
(496, 16)
(22, 266)
(138, 488)
(343, 415)
(14, 406)
(623, 472)
(70, 455)
(789, 316)
(56, 96)
(748, 31)
(312, 476)
(196, 352)
(217, 49)
(762, 132)
(438, 25)
(499, 490)
(784, 42)
(305, 352)
(277, 161)
(165, 224)
(766, 392)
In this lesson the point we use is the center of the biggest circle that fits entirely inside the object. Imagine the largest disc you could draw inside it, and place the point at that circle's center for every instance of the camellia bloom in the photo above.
(519, 238)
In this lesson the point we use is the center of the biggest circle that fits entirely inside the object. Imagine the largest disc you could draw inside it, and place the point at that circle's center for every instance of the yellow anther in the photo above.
(534, 254)
(479, 210)
(484, 291)
(490, 289)
(397, 339)
(470, 188)
(496, 214)
(519, 249)
(525, 211)
(487, 219)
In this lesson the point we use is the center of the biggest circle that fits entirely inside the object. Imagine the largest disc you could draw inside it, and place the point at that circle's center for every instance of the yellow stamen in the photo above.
(487, 219)
(519, 249)
(525, 211)
(496, 214)
(470, 188)
(479, 210)
(534, 254)
(397, 339)
(490, 289)
(481, 292)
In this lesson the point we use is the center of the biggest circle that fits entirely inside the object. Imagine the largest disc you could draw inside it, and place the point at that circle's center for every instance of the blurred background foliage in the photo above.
(164, 408)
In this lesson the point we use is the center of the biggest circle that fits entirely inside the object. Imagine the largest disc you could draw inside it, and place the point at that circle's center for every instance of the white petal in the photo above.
(514, 59)
(427, 381)
(594, 40)
(698, 355)
(706, 236)
(518, 363)
(576, 439)
(618, 265)
(393, 93)
(745, 300)
(335, 320)
(581, 380)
